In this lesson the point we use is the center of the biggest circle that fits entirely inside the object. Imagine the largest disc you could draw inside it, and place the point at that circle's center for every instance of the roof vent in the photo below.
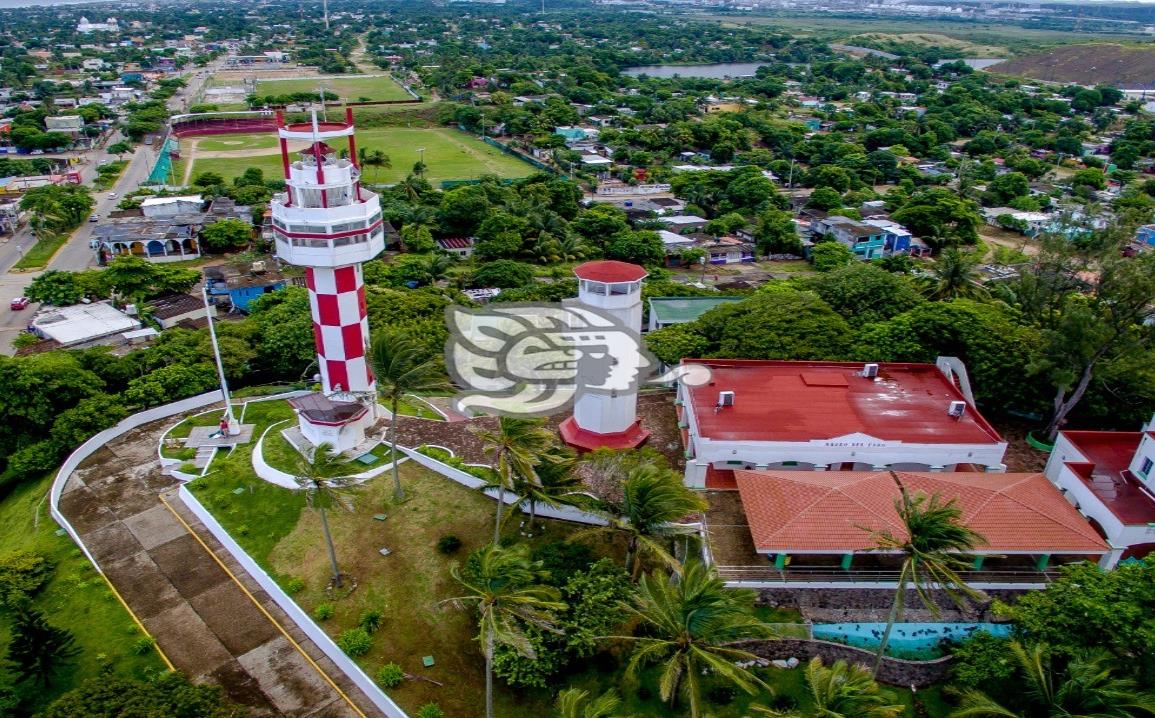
(870, 371)
(725, 398)
(957, 409)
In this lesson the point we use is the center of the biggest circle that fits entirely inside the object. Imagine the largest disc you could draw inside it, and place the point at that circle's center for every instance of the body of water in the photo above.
(907, 640)
(716, 71)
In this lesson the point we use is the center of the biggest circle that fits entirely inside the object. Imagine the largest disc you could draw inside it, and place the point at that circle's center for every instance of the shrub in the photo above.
(784, 702)
(448, 544)
(143, 645)
(323, 611)
(294, 585)
(721, 695)
(371, 620)
(22, 574)
(430, 710)
(563, 559)
(355, 642)
(390, 675)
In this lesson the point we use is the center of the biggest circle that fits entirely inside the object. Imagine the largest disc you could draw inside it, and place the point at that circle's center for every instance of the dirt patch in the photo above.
(1088, 64)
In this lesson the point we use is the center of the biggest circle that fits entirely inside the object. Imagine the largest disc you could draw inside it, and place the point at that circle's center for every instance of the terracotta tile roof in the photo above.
(836, 511)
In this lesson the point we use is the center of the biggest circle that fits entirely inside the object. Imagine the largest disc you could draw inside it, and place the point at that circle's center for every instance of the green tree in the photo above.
(1005, 187)
(553, 484)
(324, 492)
(517, 446)
(503, 587)
(417, 239)
(167, 694)
(55, 287)
(827, 256)
(863, 293)
(842, 690)
(654, 502)
(503, 273)
(940, 217)
(689, 628)
(933, 544)
(402, 366)
(1087, 687)
(226, 234)
(37, 651)
(824, 199)
(954, 275)
(119, 149)
(776, 233)
(377, 159)
(642, 247)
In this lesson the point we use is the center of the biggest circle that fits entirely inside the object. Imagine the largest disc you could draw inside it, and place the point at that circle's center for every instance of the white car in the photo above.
(112, 195)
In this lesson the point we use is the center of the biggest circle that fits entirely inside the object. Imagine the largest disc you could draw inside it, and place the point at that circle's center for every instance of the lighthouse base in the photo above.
(586, 440)
(341, 424)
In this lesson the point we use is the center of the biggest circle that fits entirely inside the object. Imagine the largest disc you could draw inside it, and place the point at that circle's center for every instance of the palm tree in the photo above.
(653, 501)
(689, 625)
(1086, 688)
(323, 493)
(842, 691)
(933, 545)
(374, 158)
(517, 446)
(503, 584)
(556, 484)
(576, 703)
(402, 366)
(954, 276)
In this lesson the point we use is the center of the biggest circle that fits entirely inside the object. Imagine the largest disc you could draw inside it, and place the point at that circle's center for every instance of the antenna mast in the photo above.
(325, 6)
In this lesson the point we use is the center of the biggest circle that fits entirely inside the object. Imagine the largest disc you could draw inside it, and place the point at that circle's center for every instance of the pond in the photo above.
(918, 641)
(716, 71)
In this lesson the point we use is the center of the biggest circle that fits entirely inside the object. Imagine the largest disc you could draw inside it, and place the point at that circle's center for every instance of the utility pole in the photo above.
(234, 428)
(325, 6)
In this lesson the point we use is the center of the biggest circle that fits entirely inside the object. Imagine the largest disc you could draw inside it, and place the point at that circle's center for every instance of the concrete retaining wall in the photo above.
(893, 670)
(347, 665)
(856, 603)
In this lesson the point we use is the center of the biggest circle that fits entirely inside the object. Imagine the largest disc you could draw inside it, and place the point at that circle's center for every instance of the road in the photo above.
(76, 254)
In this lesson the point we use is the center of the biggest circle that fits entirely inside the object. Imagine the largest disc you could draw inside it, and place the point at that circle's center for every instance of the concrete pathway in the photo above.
(209, 617)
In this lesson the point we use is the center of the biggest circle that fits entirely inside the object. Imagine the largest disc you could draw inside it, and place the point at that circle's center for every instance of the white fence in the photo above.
(290, 607)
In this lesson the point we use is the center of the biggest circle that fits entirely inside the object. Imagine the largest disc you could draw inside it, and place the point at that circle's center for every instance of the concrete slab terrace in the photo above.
(209, 617)
(204, 436)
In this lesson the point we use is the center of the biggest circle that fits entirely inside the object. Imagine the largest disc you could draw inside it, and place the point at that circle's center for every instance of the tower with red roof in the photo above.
(326, 222)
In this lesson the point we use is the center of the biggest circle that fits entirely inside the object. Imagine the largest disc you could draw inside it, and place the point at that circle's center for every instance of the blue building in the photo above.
(228, 284)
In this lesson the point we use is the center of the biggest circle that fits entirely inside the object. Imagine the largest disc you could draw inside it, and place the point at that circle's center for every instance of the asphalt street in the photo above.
(76, 254)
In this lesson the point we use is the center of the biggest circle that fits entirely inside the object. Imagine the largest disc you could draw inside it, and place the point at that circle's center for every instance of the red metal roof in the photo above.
(806, 401)
(609, 270)
(456, 242)
(837, 511)
(1109, 455)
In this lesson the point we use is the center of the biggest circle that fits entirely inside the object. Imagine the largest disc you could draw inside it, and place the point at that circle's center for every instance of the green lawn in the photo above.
(40, 254)
(230, 143)
(77, 598)
(449, 154)
(350, 88)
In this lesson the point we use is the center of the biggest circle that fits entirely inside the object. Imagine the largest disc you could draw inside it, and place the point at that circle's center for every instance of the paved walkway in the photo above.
(209, 617)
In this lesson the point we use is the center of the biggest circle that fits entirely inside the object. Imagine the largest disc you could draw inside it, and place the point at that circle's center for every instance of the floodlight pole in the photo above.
(234, 427)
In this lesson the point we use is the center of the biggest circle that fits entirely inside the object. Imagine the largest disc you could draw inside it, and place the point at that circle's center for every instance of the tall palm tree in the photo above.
(323, 493)
(933, 545)
(842, 691)
(688, 626)
(503, 585)
(1086, 689)
(556, 484)
(517, 445)
(576, 703)
(653, 501)
(376, 159)
(402, 366)
(953, 276)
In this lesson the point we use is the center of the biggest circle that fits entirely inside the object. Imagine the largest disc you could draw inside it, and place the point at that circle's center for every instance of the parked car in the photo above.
(112, 195)
(94, 218)
(19, 303)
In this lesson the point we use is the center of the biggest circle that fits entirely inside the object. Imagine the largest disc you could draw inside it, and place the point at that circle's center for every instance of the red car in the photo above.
(19, 303)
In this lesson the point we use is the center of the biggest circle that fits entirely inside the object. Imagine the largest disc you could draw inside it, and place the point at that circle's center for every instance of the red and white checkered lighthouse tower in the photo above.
(328, 224)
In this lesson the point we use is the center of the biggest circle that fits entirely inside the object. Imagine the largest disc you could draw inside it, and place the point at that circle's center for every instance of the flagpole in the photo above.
(234, 428)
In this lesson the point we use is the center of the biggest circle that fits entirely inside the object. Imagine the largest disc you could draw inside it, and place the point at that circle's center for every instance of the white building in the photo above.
(109, 25)
(1109, 477)
(82, 324)
(832, 415)
(154, 207)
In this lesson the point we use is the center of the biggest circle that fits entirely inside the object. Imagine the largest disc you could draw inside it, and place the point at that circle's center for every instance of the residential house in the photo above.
(171, 309)
(684, 223)
(460, 247)
(243, 285)
(867, 241)
(666, 311)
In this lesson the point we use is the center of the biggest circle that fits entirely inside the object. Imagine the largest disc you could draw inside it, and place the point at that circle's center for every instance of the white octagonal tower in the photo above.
(328, 224)
(608, 420)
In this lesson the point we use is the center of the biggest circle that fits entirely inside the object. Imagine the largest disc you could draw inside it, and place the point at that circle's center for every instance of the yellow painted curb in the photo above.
(136, 620)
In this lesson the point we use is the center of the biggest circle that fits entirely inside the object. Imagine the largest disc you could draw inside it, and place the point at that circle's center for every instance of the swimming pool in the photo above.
(907, 640)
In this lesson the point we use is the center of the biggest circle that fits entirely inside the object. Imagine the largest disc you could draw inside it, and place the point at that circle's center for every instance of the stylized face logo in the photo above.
(534, 359)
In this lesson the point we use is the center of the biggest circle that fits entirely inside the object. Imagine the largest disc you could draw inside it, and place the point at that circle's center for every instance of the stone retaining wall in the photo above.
(873, 604)
(893, 670)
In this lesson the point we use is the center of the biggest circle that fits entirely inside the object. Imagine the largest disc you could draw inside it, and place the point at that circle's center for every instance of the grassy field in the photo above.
(449, 155)
(930, 39)
(40, 254)
(77, 598)
(233, 143)
(350, 88)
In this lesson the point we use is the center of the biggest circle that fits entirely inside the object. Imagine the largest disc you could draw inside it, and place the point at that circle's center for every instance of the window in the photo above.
(1145, 467)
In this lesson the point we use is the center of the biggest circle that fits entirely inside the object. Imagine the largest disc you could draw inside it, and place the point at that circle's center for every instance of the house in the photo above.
(461, 247)
(867, 241)
(840, 415)
(597, 161)
(165, 239)
(82, 325)
(1108, 477)
(665, 311)
(1028, 223)
(156, 207)
(242, 285)
(896, 238)
(727, 250)
(69, 124)
(1146, 235)
(674, 245)
(683, 223)
(171, 309)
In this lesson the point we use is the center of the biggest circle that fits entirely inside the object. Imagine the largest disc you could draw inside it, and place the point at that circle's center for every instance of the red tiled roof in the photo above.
(836, 511)
(609, 270)
(456, 242)
(806, 401)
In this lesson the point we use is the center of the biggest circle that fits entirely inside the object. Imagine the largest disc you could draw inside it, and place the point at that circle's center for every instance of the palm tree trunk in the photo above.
(398, 492)
(895, 615)
(332, 551)
(497, 517)
(489, 675)
(633, 565)
(532, 514)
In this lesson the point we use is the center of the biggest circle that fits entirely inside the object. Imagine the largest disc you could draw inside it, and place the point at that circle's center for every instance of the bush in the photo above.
(983, 661)
(371, 620)
(390, 675)
(430, 710)
(22, 574)
(34, 460)
(563, 559)
(294, 585)
(503, 274)
(143, 645)
(721, 695)
(449, 544)
(355, 642)
(323, 611)
(784, 702)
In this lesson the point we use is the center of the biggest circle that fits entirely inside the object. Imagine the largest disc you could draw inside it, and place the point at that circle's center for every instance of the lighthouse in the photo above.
(608, 420)
(327, 223)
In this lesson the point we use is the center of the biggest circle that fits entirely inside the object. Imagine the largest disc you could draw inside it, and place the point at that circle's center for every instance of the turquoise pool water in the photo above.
(907, 640)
